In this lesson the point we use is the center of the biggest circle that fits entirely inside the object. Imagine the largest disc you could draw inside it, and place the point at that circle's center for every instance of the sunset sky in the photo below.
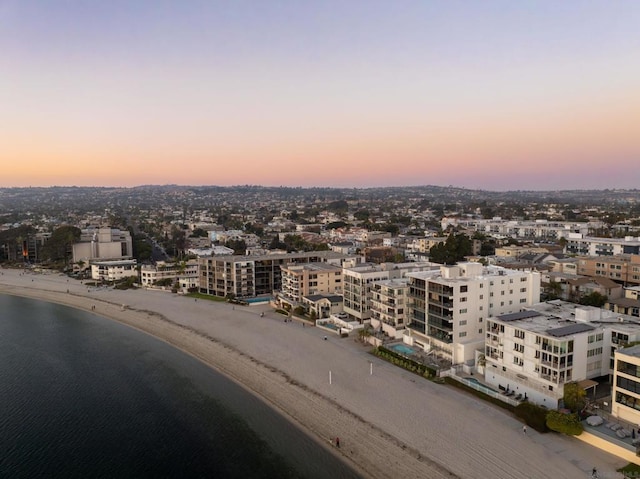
(489, 94)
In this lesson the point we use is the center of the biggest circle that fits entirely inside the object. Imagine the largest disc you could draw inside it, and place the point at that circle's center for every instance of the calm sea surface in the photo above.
(81, 396)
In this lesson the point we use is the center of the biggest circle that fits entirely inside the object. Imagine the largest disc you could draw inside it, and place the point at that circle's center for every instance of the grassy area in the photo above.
(631, 470)
(208, 297)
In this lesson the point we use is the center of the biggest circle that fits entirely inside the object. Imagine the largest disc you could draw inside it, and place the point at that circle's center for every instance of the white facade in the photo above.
(186, 274)
(389, 306)
(103, 243)
(595, 246)
(358, 280)
(537, 229)
(536, 352)
(448, 307)
(113, 270)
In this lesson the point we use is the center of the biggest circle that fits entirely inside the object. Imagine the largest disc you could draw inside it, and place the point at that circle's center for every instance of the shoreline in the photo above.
(390, 423)
(271, 385)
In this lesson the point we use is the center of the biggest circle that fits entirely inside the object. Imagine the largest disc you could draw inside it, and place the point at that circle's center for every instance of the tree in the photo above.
(239, 246)
(199, 233)
(338, 206)
(574, 397)
(565, 423)
(453, 250)
(59, 246)
(553, 289)
(594, 299)
(362, 215)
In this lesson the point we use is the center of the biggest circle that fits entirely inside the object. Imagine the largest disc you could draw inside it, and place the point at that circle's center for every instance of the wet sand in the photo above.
(390, 423)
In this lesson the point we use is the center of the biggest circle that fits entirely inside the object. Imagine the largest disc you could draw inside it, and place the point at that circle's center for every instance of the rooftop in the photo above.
(631, 351)
(560, 318)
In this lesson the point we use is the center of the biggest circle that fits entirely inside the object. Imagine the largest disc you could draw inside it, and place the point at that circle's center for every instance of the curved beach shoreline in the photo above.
(390, 423)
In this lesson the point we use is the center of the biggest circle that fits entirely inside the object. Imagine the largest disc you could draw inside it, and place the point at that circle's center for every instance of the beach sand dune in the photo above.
(390, 423)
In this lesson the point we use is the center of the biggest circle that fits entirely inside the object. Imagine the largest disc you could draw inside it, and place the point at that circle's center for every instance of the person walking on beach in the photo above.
(337, 442)
(524, 429)
(594, 473)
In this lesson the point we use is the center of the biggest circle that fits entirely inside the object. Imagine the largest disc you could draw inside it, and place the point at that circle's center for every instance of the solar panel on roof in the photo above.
(518, 315)
(571, 329)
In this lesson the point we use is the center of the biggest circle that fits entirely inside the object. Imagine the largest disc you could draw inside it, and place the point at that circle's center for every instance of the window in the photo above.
(519, 334)
(523, 290)
(462, 334)
(482, 296)
(463, 322)
(463, 311)
(463, 299)
(464, 289)
(523, 300)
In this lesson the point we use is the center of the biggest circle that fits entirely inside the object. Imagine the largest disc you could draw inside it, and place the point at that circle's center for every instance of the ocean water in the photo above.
(82, 396)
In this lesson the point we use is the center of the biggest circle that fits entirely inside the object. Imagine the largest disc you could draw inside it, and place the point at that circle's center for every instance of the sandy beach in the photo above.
(391, 423)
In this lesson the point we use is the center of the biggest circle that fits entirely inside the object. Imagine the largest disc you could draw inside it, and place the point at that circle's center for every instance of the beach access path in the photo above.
(391, 423)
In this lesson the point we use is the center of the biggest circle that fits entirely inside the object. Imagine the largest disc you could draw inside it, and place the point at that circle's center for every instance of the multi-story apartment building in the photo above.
(448, 307)
(358, 281)
(251, 276)
(533, 230)
(389, 306)
(625, 392)
(424, 245)
(596, 246)
(102, 244)
(184, 273)
(621, 268)
(113, 270)
(299, 280)
(535, 352)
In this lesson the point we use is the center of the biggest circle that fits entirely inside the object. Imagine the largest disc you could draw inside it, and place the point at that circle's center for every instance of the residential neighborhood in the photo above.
(521, 307)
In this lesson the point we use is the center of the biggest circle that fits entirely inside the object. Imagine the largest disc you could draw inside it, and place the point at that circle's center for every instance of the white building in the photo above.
(536, 352)
(448, 307)
(595, 246)
(186, 274)
(113, 270)
(358, 281)
(103, 243)
(531, 230)
(389, 306)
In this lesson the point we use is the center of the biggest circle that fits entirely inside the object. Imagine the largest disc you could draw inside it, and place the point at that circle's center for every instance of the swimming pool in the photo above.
(329, 325)
(402, 349)
(481, 386)
(257, 300)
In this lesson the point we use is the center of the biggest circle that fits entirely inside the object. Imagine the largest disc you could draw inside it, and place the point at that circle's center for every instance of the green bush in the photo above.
(408, 364)
(565, 423)
(532, 415)
(630, 470)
